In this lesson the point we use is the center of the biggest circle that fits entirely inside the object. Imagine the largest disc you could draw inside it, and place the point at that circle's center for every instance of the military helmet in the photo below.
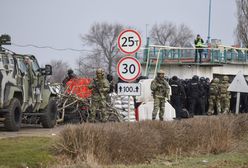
(195, 77)
(225, 78)
(160, 72)
(216, 80)
(70, 71)
(174, 78)
(100, 71)
(202, 78)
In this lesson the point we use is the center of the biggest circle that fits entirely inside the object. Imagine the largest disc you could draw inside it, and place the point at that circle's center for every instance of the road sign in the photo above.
(129, 41)
(128, 69)
(129, 89)
(238, 84)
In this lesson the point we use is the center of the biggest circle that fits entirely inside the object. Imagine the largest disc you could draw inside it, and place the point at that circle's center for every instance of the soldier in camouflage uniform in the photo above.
(100, 88)
(160, 90)
(214, 97)
(225, 95)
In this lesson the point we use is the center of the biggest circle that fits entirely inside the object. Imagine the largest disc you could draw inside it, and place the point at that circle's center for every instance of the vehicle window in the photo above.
(21, 65)
(35, 66)
(5, 60)
(11, 61)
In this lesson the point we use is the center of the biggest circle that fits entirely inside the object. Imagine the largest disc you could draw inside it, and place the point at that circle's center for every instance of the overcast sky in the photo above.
(59, 23)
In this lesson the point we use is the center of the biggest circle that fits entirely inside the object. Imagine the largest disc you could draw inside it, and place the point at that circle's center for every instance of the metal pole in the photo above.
(128, 108)
(146, 30)
(209, 20)
(237, 103)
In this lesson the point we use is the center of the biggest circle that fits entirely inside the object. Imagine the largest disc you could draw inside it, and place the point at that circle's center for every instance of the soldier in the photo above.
(100, 88)
(178, 94)
(214, 97)
(225, 95)
(70, 76)
(160, 90)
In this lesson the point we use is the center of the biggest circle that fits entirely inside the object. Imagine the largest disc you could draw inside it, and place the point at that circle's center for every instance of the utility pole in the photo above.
(146, 30)
(209, 20)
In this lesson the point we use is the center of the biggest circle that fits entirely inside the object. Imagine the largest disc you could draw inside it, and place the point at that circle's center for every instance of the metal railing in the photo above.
(157, 55)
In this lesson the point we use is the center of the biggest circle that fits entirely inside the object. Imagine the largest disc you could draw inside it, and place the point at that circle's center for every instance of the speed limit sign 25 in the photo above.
(129, 41)
(128, 69)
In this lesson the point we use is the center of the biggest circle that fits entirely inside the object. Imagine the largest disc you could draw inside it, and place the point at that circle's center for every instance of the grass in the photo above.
(137, 143)
(25, 152)
(225, 160)
(210, 142)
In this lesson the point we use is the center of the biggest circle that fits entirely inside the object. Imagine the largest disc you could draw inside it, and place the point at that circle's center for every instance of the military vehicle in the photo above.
(25, 96)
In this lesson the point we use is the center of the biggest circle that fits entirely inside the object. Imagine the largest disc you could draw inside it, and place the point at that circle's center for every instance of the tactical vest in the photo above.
(175, 88)
(223, 88)
(213, 89)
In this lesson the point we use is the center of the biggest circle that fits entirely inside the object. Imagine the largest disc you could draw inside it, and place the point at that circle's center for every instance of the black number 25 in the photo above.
(128, 40)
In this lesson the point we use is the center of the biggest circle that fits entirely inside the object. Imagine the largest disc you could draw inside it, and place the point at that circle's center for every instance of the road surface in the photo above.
(31, 130)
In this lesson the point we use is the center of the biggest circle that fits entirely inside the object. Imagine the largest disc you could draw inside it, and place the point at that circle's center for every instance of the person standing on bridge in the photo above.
(198, 45)
(160, 90)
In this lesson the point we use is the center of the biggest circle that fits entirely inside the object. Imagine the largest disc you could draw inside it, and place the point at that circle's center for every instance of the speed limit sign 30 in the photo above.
(128, 69)
(129, 41)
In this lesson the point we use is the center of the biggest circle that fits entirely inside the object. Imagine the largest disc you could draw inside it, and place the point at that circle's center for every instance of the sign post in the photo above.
(238, 85)
(128, 68)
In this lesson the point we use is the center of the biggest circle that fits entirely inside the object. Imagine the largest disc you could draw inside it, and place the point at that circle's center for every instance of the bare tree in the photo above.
(103, 38)
(169, 34)
(88, 64)
(242, 26)
(59, 70)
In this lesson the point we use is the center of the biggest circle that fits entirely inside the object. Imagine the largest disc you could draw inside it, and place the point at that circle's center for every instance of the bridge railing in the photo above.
(166, 54)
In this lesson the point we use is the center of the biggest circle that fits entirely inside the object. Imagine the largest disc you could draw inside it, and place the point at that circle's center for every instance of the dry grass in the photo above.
(128, 143)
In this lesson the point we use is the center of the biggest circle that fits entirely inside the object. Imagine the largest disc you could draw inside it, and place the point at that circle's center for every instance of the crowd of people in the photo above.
(189, 97)
(200, 96)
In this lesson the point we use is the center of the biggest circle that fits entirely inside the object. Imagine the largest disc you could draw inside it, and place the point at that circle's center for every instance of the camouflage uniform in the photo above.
(160, 90)
(225, 95)
(100, 88)
(214, 97)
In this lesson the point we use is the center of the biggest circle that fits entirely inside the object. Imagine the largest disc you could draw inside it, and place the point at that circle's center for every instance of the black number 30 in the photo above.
(128, 69)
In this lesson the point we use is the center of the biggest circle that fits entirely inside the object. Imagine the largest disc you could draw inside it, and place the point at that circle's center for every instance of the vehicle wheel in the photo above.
(13, 117)
(48, 120)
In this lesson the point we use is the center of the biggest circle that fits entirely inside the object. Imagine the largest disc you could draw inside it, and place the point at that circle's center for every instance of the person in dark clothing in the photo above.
(70, 76)
(178, 93)
(205, 93)
(195, 92)
(111, 83)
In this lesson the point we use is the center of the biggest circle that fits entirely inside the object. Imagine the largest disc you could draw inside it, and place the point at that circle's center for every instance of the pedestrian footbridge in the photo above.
(218, 60)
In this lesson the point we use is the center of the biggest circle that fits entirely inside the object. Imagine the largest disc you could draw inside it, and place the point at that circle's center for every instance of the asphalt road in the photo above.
(31, 130)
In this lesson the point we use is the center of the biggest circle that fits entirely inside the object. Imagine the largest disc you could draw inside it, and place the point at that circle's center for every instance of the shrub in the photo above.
(128, 143)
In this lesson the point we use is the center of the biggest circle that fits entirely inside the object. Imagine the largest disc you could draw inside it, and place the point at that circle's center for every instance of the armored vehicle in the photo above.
(25, 96)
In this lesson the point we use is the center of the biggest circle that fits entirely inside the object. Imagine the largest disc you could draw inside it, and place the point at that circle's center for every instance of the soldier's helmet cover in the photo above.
(225, 78)
(100, 71)
(161, 72)
(216, 80)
